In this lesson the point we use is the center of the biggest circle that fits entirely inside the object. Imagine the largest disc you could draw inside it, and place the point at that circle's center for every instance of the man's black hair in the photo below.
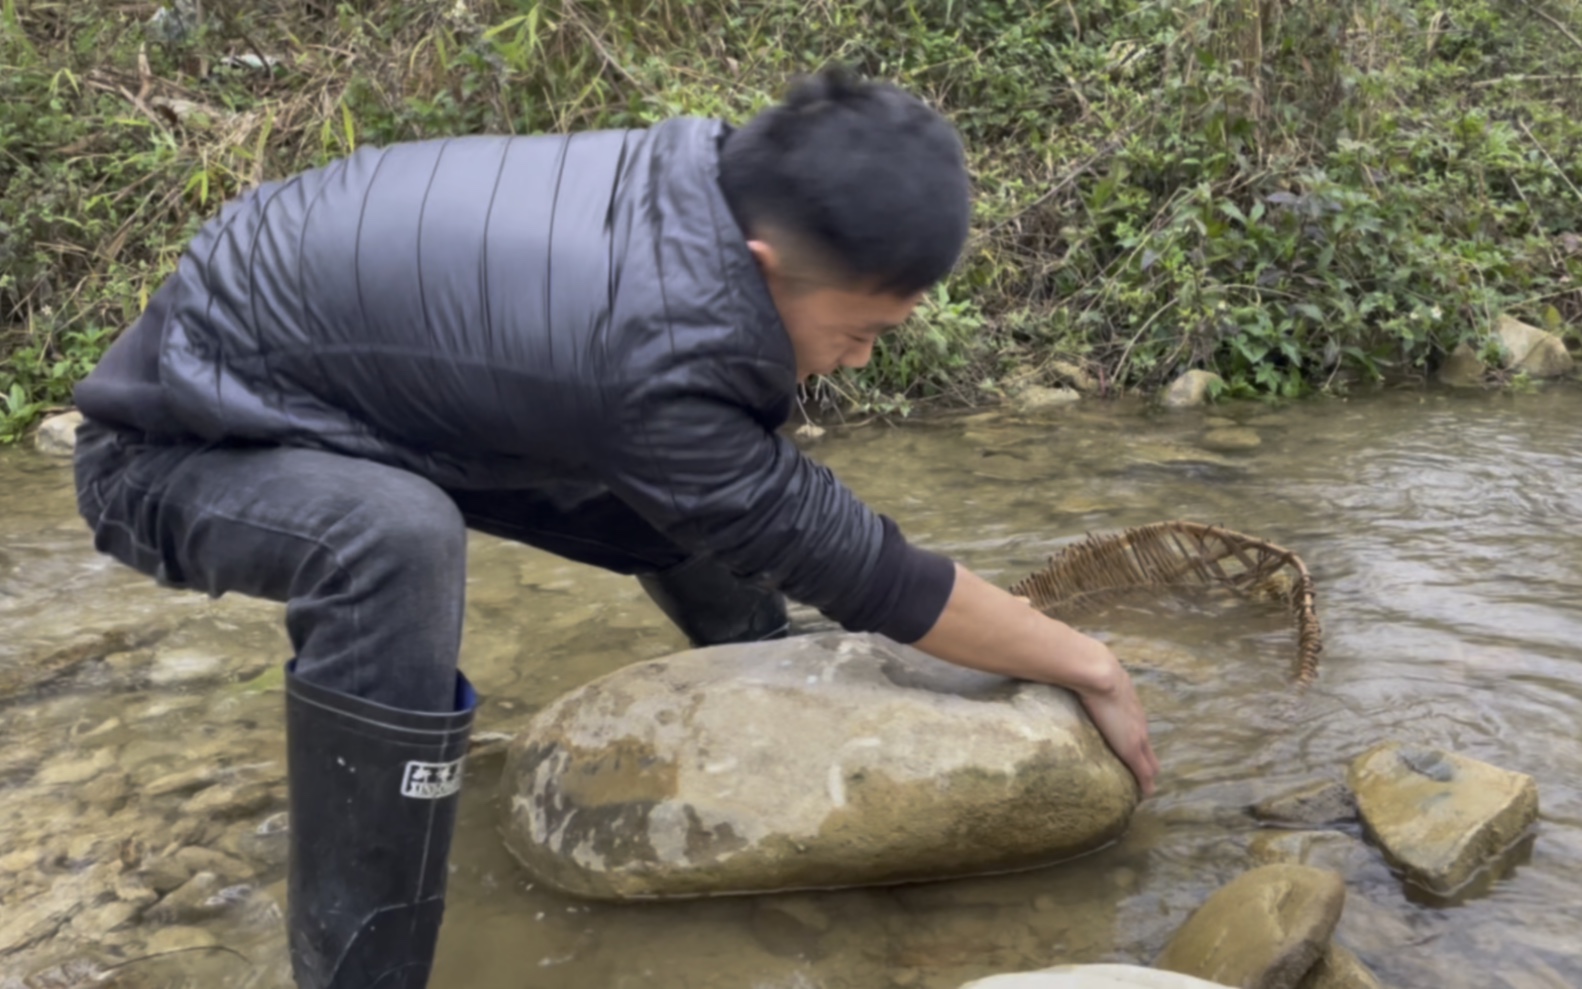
(863, 173)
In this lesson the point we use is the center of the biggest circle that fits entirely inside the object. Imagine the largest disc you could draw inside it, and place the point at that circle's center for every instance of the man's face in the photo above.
(830, 326)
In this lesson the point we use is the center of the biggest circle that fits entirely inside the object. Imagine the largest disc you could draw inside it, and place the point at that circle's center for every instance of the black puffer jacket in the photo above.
(517, 312)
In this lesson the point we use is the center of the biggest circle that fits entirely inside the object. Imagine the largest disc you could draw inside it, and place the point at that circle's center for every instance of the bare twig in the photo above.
(1562, 77)
(604, 53)
(1552, 19)
(174, 951)
(142, 108)
(1550, 158)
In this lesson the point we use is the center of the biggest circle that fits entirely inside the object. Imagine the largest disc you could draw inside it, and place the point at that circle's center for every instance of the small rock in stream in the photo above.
(19, 861)
(57, 435)
(74, 767)
(788, 933)
(1264, 930)
(1034, 398)
(173, 667)
(166, 873)
(1318, 802)
(1532, 350)
(228, 868)
(184, 781)
(1230, 440)
(1192, 388)
(264, 845)
(108, 793)
(1330, 850)
(168, 939)
(93, 924)
(27, 922)
(1441, 817)
(233, 800)
(191, 901)
(1463, 368)
(1338, 968)
(133, 889)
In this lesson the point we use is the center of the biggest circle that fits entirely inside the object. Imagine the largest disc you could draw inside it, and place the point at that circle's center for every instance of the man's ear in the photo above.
(789, 265)
(770, 261)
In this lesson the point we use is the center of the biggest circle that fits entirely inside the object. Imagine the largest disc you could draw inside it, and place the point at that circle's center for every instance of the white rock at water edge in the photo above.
(1190, 389)
(57, 435)
(1531, 350)
(1093, 977)
(1033, 398)
(823, 760)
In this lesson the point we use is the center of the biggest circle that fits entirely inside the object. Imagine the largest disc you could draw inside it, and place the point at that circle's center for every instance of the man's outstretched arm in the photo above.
(986, 628)
(683, 451)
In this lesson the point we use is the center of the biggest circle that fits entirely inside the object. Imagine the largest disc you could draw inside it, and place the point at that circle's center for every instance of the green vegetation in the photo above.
(1299, 196)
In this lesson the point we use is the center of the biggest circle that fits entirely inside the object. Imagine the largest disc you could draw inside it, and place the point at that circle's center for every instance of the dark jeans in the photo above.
(370, 560)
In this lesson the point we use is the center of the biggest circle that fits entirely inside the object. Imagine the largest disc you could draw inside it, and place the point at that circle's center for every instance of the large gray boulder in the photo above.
(824, 760)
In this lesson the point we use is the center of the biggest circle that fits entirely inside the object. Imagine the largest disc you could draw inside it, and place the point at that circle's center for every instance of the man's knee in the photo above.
(406, 526)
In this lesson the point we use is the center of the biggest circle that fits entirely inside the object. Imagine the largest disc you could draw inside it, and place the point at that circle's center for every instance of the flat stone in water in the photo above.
(75, 767)
(166, 873)
(1318, 802)
(180, 938)
(1441, 817)
(108, 792)
(32, 920)
(228, 868)
(1035, 398)
(19, 860)
(133, 889)
(1231, 440)
(1334, 851)
(93, 924)
(183, 781)
(172, 667)
(236, 800)
(1263, 930)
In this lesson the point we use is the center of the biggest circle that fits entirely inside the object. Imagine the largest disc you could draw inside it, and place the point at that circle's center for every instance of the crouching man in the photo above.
(586, 343)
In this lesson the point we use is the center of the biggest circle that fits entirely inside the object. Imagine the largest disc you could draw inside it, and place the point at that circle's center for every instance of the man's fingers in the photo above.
(1150, 764)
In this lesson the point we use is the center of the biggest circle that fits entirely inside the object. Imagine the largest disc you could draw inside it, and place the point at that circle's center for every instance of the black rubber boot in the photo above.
(373, 795)
(712, 606)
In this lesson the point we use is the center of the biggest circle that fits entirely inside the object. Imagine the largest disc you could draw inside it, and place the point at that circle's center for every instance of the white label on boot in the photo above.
(431, 780)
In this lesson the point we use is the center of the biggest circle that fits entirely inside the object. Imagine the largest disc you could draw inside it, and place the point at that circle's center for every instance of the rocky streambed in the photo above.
(1412, 820)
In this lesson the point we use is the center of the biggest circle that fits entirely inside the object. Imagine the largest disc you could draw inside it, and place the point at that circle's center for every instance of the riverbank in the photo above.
(1296, 198)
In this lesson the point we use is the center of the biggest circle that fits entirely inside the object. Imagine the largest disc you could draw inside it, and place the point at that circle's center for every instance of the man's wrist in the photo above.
(1089, 667)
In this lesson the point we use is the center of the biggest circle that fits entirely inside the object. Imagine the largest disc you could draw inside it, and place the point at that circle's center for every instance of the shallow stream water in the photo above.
(1444, 532)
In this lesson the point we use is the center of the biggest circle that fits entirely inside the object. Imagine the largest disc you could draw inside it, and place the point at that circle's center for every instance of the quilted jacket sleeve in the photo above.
(688, 450)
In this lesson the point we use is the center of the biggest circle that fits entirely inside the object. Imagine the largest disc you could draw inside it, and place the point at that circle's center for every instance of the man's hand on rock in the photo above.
(1118, 715)
(985, 628)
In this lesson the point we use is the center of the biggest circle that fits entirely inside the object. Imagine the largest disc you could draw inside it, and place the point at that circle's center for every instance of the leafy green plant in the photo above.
(1299, 197)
